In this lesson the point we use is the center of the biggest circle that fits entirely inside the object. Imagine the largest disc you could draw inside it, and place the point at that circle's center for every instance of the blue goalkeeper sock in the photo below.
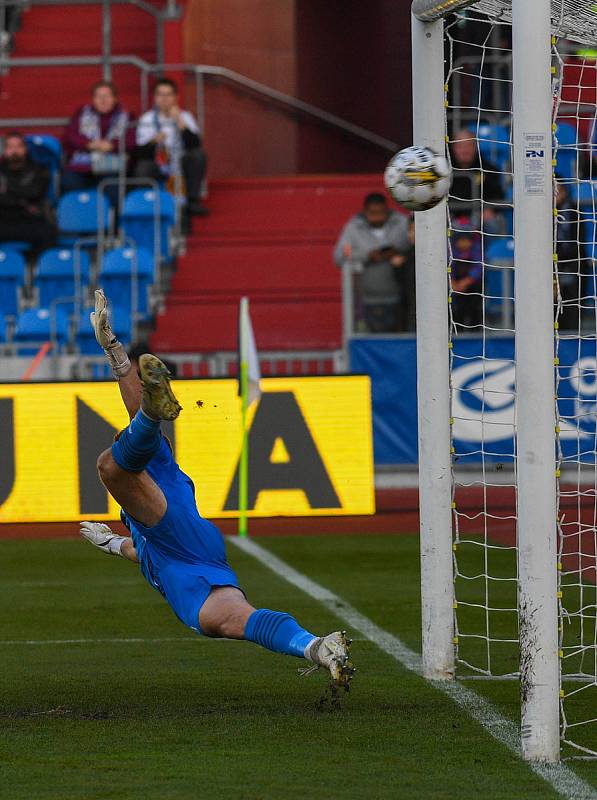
(277, 631)
(138, 443)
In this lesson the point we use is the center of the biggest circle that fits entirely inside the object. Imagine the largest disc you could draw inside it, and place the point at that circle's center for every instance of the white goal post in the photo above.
(535, 420)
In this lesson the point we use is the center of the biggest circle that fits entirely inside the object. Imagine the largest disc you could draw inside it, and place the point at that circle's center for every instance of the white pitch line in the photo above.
(15, 642)
(64, 584)
(566, 782)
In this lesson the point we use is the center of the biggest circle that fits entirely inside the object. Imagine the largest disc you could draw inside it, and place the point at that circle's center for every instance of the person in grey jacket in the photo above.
(377, 238)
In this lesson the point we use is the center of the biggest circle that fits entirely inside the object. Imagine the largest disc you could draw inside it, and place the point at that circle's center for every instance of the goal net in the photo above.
(484, 425)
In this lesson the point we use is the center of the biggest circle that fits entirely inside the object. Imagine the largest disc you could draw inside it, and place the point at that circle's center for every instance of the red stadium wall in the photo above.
(348, 57)
(47, 31)
(255, 38)
(353, 59)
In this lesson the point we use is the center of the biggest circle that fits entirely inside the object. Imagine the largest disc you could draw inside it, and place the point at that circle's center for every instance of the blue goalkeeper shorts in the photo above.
(183, 557)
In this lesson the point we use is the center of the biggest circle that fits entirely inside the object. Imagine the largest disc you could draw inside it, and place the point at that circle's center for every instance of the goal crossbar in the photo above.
(573, 19)
(431, 10)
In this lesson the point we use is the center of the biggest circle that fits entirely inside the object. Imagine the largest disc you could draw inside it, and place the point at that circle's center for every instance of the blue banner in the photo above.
(483, 380)
(392, 367)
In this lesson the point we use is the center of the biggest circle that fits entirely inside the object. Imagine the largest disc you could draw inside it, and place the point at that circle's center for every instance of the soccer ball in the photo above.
(418, 178)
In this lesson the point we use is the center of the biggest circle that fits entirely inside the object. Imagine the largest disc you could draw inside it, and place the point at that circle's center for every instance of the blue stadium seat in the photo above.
(56, 276)
(138, 218)
(500, 252)
(47, 151)
(566, 155)
(2, 328)
(121, 322)
(37, 326)
(20, 247)
(116, 276)
(582, 193)
(493, 290)
(12, 278)
(82, 214)
(494, 143)
(44, 149)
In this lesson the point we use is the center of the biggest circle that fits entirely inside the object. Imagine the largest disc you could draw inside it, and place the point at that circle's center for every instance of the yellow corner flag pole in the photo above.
(248, 379)
(243, 477)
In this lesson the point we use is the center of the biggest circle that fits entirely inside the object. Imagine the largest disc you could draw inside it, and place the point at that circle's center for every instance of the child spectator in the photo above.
(466, 276)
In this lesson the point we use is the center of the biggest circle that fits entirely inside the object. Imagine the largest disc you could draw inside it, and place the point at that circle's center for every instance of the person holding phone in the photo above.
(377, 240)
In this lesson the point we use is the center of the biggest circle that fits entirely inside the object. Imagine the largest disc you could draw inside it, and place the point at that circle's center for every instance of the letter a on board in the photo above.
(283, 455)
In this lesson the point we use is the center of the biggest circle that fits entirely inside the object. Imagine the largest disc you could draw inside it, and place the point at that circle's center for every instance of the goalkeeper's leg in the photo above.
(227, 614)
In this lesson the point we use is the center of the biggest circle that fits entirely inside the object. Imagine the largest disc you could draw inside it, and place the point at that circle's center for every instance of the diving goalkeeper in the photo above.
(180, 554)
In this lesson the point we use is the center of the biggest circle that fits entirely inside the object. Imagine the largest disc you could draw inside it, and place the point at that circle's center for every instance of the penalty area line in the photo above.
(566, 782)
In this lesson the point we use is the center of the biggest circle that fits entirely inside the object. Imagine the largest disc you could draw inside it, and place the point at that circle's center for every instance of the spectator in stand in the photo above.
(376, 238)
(169, 145)
(466, 276)
(10, 15)
(477, 190)
(23, 191)
(97, 142)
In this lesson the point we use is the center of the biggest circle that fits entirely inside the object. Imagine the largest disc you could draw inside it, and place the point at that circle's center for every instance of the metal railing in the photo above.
(478, 71)
(220, 365)
(201, 73)
(351, 272)
(115, 235)
(170, 11)
(299, 106)
(73, 367)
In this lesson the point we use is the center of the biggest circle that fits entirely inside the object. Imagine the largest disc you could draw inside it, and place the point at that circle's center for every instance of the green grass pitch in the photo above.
(176, 716)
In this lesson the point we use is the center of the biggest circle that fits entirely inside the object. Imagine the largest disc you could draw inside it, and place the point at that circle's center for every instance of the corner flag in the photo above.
(248, 385)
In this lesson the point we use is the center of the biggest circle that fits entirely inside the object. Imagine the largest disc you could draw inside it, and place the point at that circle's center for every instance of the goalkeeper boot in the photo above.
(157, 400)
(114, 350)
(102, 537)
(332, 653)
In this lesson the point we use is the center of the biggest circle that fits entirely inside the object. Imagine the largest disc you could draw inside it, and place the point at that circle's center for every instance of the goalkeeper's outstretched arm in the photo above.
(102, 537)
(128, 379)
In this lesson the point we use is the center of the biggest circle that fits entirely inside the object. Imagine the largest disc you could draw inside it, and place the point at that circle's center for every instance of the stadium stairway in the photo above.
(73, 30)
(270, 239)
